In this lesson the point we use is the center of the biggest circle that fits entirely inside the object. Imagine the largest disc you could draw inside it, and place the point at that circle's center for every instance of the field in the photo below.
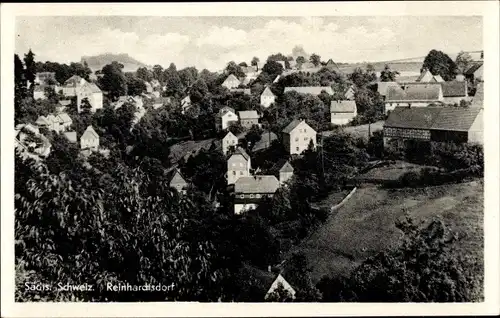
(358, 131)
(365, 225)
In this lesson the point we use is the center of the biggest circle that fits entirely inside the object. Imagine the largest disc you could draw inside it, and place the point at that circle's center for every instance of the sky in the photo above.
(211, 42)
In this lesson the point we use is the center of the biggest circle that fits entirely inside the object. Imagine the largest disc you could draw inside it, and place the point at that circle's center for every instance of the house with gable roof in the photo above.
(248, 118)
(92, 93)
(89, 139)
(238, 165)
(475, 72)
(64, 121)
(285, 172)
(297, 136)
(477, 100)
(349, 93)
(249, 190)
(441, 124)
(230, 140)
(454, 92)
(280, 281)
(231, 82)
(178, 182)
(342, 111)
(425, 76)
(72, 85)
(225, 117)
(267, 97)
(185, 104)
(413, 95)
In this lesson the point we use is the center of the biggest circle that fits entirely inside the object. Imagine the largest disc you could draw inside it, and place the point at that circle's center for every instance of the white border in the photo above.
(488, 9)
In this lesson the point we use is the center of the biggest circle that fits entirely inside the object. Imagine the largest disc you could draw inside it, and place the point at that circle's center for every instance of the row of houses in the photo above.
(74, 87)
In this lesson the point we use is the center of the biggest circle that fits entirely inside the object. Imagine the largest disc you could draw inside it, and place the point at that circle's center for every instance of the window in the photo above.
(251, 196)
(305, 138)
(242, 196)
(241, 173)
(234, 173)
(297, 148)
(234, 165)
(297, 139)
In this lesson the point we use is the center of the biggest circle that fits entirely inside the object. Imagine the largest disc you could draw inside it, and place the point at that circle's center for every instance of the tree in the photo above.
(243, 64)
(280, 294)
(158, 73)
(253, 136)
(362, 78)
(198, 91)
(113, 80)
(315, 59)
(300, 60)
(175, 87)
(145, 74)
(463, 61)
(273, 68)
(235, 69)
(255, 62)
(86, 107)
(188, 75)
(30, 69)
(426, 268)
(19, 80)
(388, 75)
(439, 63)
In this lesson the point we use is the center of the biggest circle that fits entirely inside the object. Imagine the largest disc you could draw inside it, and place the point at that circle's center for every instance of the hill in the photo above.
(97, 62)
(365, 226)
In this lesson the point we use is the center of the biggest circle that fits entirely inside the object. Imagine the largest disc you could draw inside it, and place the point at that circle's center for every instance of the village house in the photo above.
(155, 84)
(61, 106)
(249, 190)
(185, 104)
(244, 91)
(313, 90)
(477, 100)
(89, 139)
(92, 93)
(285, 172)
(297, 136)
(267, 97)
(442, 124)
(43, 121)
(39, 92)
(225, 117)
(231, 82)
(426, 77)
(161, 101)
(280, 281)
(72, 85)
(238, 165)
(149, 87)
(382, 88)
(349, 93)
(230, 140)
(248, 118)
(413, 95)
(330, 64)
(178, 182)
(454, 92)
(248, 78)
(343, 111)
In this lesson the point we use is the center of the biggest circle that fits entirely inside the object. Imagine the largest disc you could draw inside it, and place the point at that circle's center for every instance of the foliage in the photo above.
(280, 294)
(173, 81)
(388, 75)
(362, 78)
(135, 85)
(30, 70)
(145, 74)
(315, 59)
(439, 63)
(255, 61)
(235, 69)
(272, 68)
(463, 61)
(113, 80)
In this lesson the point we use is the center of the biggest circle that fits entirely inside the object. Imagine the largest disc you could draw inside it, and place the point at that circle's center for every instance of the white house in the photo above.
(342, 111)
(224, 118)
(185, 104)
(89, 139)
(297, 136)
(267, 97)
(230, 140)
(92, 93)
(72, 85)
(238, 165)
(285, 172)
(231, 82)
(280, 281)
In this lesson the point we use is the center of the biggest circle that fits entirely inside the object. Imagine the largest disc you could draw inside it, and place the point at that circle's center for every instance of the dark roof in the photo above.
(415, 92)
(240, 151)
(343, 106)
(456, 119)
(454, 89)
(435, 118)
(383, 86)
(225, 109)
(256, 184)
(473, 68)
(291, 126)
